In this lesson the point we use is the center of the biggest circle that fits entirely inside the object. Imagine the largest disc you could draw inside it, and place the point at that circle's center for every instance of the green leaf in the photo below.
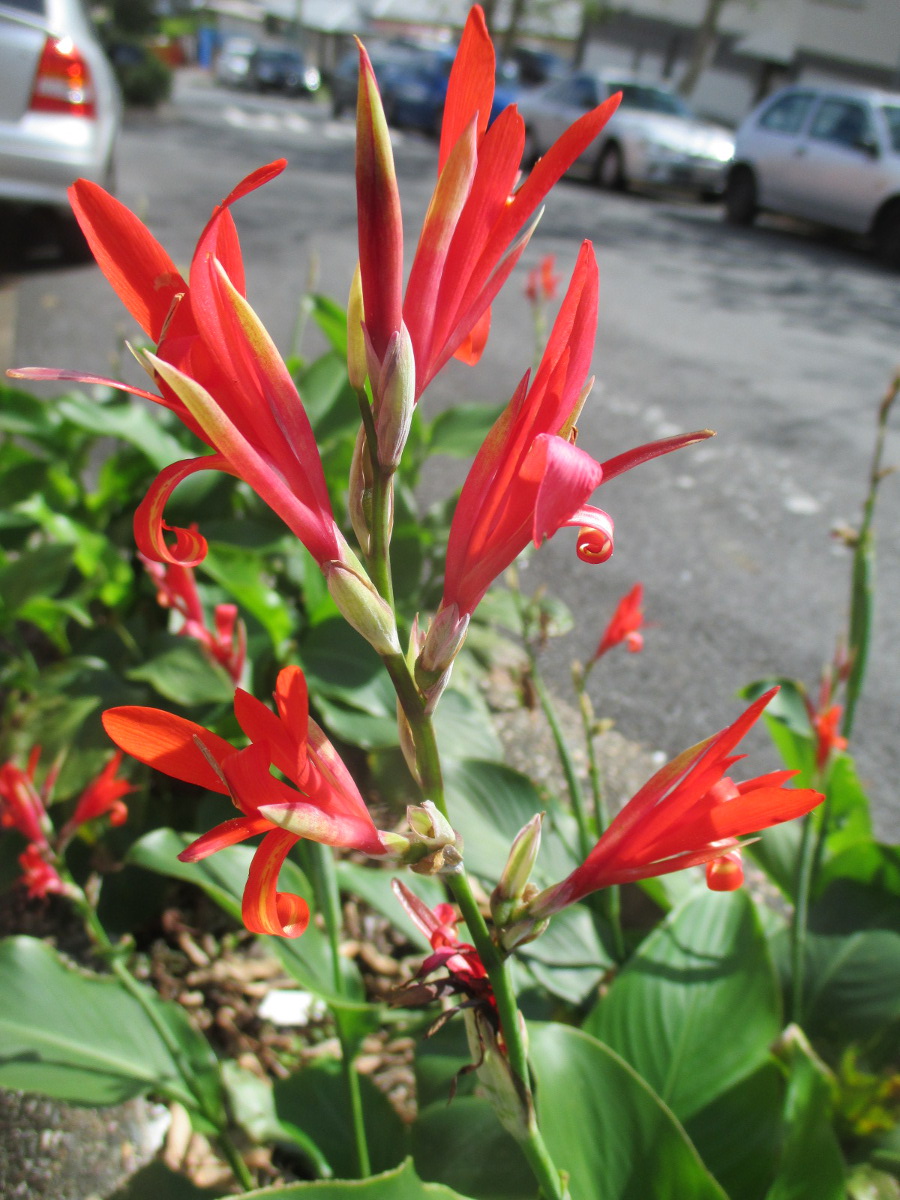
(847, 805)
(373, 884)
(603, 1123)
(568, 959)
(402, 1183)
(852, 985)
(223, 876)
(489, 803)
(464, 727)
(23, 414)
(811, 1163)
(315, 1100)
(332, 320)
(697, 1007)
(246, 578)
(183, 674)
(777, 851)
(464, 1146)
(460, 430)
(133, 423)
(84, 1038)
(40, 572)
(340, 666)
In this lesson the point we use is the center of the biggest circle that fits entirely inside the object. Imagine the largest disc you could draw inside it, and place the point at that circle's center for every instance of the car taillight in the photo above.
(63, 81)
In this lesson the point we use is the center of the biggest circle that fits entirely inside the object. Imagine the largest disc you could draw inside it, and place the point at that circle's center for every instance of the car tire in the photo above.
(610, 169)
(741, 203)
(887, 235)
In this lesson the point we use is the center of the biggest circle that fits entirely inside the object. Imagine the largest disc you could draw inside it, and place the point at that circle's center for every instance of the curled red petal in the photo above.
(149, 527)
(264, 909)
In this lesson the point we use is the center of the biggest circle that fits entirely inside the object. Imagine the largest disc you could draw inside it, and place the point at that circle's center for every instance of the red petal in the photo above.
(150, 528)
(471, 86)
(168, 743)
(264, 909)
(472, 347)
(136, 265)
(229, 833)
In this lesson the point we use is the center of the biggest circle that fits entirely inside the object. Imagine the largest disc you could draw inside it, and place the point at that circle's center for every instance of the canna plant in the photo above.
(658, 1035)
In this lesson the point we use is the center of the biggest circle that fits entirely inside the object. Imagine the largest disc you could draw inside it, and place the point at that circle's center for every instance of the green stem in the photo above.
(429, 765)
(329, 899)
(378, 558)
(611, 897)
(801, 916)
(137, 991)
(586, 835)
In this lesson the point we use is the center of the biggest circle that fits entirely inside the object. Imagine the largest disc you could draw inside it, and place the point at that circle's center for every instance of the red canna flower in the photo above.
(625, 624)
(826, 723)
(542, 282)
(323, 804)
(215, 366)
(22, 805)
(176, 588)
(472, 236)
(689, 813)
(102, 797)
(529, 479)
(39, 877)
(466, 972)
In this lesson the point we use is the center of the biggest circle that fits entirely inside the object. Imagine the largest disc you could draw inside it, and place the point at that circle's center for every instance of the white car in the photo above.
(652, 140)
(826, 154)
(60, 109)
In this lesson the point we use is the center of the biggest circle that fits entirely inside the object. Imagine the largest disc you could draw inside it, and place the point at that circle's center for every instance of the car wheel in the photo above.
(437, 122)
(610, 172)
(73, 245)
(887, 235)
(741, 205)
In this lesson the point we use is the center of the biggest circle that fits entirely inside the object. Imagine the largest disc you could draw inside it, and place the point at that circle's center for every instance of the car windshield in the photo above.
(650, 99)
(892, 115)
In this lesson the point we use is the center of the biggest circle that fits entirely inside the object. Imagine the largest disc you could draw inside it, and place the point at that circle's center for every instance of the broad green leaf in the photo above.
(488, 804)
(738, 1135)
(697, 1007)
(569, 958)
(777, 850)
(315, 1100)
(464, 728)
(373, 884)
(133, 423)
(847, 806)
(340, 666)
(245, 577)
(603, 1123)
(460, 430)
(223, 876)
(183, 674)
(330, 403)
(464, 1146)
(332, 320)
(402, 1183)
(811, 1163)
(156, 1181)
(24, 414)
(852, 985)
(84, 1038)
(866, 862)
(40, 572)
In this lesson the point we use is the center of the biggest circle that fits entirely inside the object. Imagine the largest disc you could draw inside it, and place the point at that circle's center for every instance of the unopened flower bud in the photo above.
(362, 606)
(408, 744)
(356, 338)
(395, 399)
(445, 636)
(361, 491)
(508, 895)
(436, 847)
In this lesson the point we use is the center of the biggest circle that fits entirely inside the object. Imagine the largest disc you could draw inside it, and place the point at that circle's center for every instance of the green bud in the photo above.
(395, 399)
(356, 338)
(509, 893)
(362, 606)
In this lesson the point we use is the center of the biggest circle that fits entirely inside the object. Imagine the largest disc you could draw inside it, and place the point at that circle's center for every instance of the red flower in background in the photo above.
(625, 625)
(472, 234)
(323, 804)
(689, 813)
(542, 282)
(226, 643)
(102, 797)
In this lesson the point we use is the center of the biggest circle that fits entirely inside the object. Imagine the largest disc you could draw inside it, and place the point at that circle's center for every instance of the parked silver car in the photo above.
(826, 154)
(60, 109)
(652, 140)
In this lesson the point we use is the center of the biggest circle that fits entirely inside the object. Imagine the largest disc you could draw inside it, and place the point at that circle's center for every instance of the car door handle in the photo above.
(799, 152)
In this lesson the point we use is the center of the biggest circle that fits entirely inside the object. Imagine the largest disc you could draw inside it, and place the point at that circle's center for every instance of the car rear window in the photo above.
(892, 116)
(788, 113)
(37, 7)
(651, 99)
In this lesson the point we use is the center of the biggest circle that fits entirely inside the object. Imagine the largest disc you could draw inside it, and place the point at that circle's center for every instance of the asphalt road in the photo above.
(782, 338)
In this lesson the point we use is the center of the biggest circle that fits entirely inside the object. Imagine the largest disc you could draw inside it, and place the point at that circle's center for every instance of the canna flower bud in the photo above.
(395, 399)
(445, 636)
(435, 845)
(725, 874)
(362, 606)
(356, 338)
(508, 895)
(361, 491)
